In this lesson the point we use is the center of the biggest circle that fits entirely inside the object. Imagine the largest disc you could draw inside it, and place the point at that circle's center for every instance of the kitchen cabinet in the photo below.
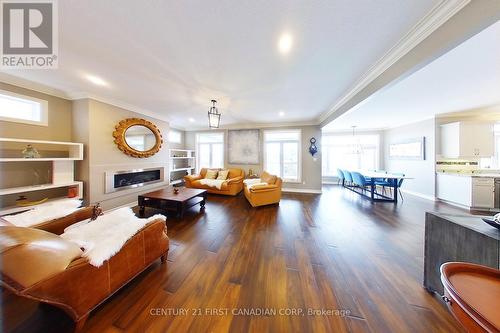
(467, 191)
(454, 188)
(483, 192)
(467, 139)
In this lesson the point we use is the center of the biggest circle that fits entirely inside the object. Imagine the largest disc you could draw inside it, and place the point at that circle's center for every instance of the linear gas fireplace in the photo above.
(121, 180)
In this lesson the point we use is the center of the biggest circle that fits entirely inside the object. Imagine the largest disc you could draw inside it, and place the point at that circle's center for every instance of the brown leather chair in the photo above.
(43, 266)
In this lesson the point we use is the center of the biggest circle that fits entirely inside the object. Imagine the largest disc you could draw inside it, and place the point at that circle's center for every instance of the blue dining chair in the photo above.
(360, 181)
(348, 177)
(400, 183)
(340, 175)
(382, 181)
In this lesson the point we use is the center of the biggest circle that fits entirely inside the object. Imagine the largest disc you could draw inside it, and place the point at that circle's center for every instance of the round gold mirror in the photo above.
(137, 137)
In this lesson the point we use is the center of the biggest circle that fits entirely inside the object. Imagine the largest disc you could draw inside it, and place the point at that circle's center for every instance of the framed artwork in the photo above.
(412, 149)
(243, 146)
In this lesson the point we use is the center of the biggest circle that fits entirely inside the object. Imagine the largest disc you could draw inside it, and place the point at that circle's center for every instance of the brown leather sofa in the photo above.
(57, 226)
(264, 194)
(43, 266)
(232, 186)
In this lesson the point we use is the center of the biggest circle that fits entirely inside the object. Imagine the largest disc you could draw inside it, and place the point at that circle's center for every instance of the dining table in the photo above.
(392, 179)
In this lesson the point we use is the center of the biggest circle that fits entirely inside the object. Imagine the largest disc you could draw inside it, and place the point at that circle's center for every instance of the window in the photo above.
(210, 150)
(22, 109)
(282, 154)
(174, 136)
(349, 152)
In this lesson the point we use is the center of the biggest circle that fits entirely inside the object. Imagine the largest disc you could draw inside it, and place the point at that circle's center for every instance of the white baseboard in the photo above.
(131, 204)
(420, 195)
(301, 190)
(453, 204)
(329, 182)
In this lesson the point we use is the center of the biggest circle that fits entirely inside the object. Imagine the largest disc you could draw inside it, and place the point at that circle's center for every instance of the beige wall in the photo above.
(422, 171)
(58, 129)
(103, 155)
(59, 122)
(80, 126)
(311, 168)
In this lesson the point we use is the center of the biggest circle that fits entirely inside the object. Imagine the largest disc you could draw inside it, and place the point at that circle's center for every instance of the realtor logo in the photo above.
(29, 34)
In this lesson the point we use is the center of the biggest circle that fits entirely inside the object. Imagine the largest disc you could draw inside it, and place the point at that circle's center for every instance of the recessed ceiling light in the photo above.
(285, 43)
(191, 120)
(96, 80)
(281, 113)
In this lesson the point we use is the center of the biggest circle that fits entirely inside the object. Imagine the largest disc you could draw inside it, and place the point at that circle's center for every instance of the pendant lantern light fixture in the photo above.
(213, 116)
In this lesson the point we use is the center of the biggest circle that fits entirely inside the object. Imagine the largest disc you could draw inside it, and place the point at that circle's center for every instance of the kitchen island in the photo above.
(463, 238)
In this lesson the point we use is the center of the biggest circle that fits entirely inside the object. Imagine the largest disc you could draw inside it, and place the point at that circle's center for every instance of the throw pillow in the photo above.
(211, 174)
(268, 178)
(223, 174)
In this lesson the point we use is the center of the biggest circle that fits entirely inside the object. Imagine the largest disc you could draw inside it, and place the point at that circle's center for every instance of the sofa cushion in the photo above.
(234, 172)
(268, 178)
(211, 174)
(223, 174)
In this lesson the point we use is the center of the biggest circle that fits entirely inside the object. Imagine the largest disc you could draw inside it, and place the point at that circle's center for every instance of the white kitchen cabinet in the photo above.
(467, 191)
(483, 192)
(467, 139)
(454, 188)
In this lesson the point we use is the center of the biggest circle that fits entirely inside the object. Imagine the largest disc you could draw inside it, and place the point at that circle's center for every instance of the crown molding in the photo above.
(31, 85)
(255, 125)
(438, 15)
(119, 104)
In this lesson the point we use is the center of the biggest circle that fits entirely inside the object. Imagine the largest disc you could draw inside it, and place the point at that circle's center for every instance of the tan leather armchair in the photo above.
(43, 266)
(264, 194)
(232, 186)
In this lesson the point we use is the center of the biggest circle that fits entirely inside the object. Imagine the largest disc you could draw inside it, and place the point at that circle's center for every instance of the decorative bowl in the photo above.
(492, 222)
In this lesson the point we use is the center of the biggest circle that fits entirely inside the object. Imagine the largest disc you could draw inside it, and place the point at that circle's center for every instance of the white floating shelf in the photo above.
(74, 150)
(181, 157)
(182, 169)
(17, 209)
(20, 159)
(40, 141)
(21, 189)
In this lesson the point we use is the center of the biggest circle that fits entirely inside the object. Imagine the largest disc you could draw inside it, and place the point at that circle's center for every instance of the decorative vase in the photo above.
(30, 152)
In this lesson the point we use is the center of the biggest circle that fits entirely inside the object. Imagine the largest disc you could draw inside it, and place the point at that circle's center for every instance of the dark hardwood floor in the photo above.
(335, 251)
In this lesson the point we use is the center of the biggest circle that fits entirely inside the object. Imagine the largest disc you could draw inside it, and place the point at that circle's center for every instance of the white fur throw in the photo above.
(253, 182)
(249, 182)
(44, 212)
(105, 236)
(212, 182)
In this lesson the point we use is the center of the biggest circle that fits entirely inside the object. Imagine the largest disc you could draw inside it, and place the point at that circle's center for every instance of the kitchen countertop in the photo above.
(475, 175)
(472, 222)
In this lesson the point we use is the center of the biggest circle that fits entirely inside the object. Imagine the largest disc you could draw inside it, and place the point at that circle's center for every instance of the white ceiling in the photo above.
(466, 78)
(172, 57)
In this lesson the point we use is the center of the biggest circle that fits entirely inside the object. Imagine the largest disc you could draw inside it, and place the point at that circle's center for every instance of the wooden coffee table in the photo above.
(166, 199)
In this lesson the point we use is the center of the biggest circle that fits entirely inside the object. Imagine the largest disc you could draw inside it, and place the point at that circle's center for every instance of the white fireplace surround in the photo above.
(128, 179)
